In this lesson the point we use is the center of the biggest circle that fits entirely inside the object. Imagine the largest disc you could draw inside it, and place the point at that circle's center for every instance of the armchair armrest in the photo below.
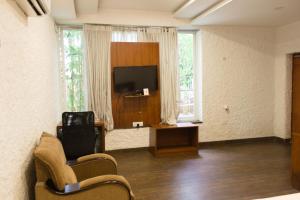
(92, 165)
(107, 187)
(96, 156)
(107, 179)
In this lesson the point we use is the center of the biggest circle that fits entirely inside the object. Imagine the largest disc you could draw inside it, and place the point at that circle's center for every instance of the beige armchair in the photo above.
(92, 177)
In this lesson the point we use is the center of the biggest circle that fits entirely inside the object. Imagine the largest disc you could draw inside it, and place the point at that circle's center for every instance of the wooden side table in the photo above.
(172, 139)
(100, 126)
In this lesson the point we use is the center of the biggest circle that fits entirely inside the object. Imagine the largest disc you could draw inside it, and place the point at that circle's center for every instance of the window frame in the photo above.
(197, 79)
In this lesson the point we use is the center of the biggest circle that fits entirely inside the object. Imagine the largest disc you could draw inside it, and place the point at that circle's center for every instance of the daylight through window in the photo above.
(188, 108)
(73, 69)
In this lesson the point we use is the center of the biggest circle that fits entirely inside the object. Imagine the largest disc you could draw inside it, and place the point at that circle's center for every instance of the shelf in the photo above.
(179, 138)
(136, 96)
(178, 125)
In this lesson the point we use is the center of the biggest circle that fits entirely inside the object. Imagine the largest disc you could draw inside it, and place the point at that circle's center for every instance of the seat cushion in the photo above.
(50, 153)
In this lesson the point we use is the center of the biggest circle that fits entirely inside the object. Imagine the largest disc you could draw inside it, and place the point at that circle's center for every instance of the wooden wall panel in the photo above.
(128, 110)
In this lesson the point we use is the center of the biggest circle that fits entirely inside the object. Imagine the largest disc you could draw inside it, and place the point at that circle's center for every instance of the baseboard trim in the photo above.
(128, 150)
(245, 141)
(218, 143)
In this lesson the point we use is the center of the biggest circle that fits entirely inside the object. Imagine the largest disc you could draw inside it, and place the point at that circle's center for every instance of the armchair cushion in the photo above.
(94, 165)
(49, 154)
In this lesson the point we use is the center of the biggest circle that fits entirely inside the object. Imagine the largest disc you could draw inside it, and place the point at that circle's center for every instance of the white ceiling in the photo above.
(192, 8)
(63, 9)
(87, 6)
(192, 12)
(150, 5)
(253, 13)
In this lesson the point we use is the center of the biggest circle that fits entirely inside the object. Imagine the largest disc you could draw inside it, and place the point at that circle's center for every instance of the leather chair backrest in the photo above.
(71, 119)
(78, 135)
(50, 162)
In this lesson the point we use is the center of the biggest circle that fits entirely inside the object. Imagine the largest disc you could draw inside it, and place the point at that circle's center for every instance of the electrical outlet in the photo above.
(137, 124)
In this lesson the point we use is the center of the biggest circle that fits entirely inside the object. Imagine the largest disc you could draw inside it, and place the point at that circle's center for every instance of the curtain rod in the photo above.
(80, 26)
(131, 26)
(73, 26)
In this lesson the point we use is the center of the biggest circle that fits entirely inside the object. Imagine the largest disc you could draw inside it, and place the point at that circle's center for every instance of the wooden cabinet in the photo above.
(180, 138)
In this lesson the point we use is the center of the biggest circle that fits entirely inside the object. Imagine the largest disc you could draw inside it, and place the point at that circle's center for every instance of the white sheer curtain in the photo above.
(167, 39)
(98, 39)
(124, 36)
(97, 42)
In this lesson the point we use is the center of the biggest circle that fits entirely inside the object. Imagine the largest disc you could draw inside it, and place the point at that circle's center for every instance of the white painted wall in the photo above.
(237, 71)
(28, 97)
(287, 43)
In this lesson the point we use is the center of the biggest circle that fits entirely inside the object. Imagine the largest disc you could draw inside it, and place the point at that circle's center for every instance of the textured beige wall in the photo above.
(238, 72)
(238, 68)
(127, 138)
(282, 96)
(28, 96)
(287, 43)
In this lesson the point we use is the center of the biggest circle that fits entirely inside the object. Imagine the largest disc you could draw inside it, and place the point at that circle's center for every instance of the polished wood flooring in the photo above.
(221, 172)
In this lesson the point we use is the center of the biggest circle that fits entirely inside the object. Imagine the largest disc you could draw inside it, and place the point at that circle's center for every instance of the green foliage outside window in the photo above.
(73, 59)
(186, 57)
(186, 74)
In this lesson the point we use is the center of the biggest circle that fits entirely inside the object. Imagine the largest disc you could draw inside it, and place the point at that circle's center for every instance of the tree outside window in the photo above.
(186, 75)
(73, 69)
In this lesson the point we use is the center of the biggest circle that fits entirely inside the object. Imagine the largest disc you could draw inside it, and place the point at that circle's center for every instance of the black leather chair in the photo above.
(78, 135)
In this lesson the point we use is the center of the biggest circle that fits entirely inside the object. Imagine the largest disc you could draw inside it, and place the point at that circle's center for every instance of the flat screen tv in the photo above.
(132, 79)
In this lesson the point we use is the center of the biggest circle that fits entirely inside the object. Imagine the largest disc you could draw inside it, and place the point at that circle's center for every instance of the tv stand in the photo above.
(173, 139)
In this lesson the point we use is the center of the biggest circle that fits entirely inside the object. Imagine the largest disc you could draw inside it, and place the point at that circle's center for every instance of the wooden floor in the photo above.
(231, 171)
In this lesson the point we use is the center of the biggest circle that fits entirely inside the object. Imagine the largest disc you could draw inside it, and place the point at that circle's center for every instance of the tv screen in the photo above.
(135, 78)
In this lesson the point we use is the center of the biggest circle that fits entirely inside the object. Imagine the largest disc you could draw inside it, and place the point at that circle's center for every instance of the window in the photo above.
(189, 104)
(72, 65)
(73, 72)
(72, 56)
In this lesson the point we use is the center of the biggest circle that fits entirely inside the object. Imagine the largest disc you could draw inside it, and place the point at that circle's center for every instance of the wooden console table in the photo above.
(100, 126)
(170, 139)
